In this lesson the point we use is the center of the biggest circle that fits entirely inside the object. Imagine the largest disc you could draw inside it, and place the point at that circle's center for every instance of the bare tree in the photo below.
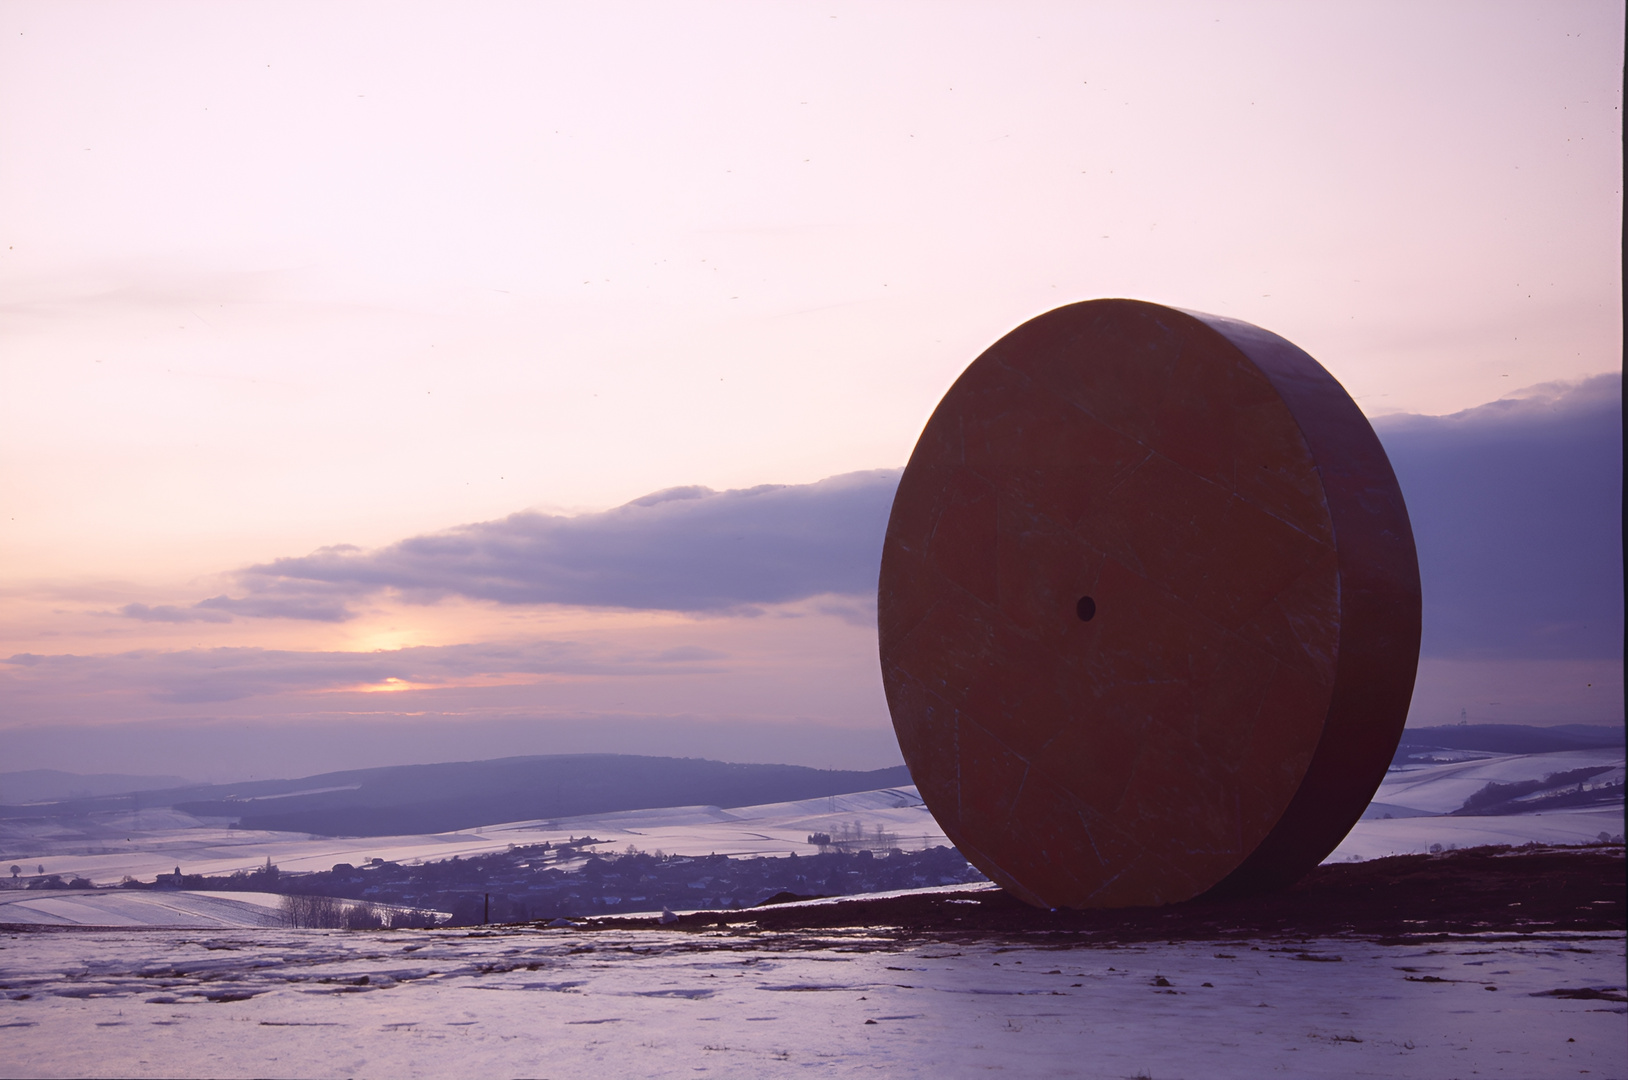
(313, 912)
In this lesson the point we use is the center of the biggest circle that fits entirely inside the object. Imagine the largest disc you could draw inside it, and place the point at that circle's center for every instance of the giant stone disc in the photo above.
(1149, 608)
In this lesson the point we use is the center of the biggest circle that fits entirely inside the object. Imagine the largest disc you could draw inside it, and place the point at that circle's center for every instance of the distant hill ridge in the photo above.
(1512, 738)
(416, 799)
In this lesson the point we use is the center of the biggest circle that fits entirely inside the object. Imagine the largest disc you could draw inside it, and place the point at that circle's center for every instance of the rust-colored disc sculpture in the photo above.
(1149, 609)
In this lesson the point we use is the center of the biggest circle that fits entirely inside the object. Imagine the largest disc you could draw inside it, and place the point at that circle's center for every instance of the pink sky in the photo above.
(278, 276)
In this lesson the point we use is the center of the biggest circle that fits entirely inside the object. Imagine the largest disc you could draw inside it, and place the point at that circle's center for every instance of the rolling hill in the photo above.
(443, 797)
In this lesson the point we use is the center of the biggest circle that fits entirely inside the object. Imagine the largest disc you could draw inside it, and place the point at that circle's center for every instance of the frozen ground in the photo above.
(200, 910)
(213, 1000)
(751, 1004)
(1372, 839)
(148, 843)
(1408, 812)
(1441, 789)
(145, 844)
(190, 909)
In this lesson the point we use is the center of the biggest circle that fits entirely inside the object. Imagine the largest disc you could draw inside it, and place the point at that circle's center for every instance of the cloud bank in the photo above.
(1516, 508)
(687, 549)
(1517, 513)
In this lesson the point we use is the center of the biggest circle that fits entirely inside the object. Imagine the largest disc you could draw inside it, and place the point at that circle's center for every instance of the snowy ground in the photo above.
(1376, 839)
(1407, 816)
(149, 843)
(221, 992)
(659, 1004)
(1408, 812)
(1443, 788)
(201, 910)
(161, 908)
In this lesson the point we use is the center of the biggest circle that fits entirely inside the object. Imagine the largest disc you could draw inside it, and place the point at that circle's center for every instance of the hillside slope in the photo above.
(418, 799)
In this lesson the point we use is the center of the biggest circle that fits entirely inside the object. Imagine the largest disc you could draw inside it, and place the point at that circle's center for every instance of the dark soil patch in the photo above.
(1477, 890)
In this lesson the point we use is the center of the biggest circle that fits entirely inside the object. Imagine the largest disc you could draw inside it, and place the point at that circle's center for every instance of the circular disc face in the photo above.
(1141, 625)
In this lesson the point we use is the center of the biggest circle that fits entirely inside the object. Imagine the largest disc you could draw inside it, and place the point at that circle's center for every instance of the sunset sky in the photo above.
(341, 345)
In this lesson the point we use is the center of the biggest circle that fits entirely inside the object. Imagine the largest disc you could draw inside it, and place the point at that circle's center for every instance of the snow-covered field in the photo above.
(1442, 788)
(1407, 816)
(195, 909)
(745, 1004)
(1408, 812)
(202, 910)
(149, 843)
(222, 990)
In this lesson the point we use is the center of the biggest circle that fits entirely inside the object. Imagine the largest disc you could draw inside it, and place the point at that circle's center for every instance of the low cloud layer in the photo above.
(169, 613)
(686, 549)
(1516, 506)
(1517, 513)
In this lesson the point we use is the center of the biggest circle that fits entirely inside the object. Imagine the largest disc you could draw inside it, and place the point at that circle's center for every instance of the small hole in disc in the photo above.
(1086, 608)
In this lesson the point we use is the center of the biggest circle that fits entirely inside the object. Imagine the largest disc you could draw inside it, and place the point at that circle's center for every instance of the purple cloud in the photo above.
(683, 549)
(268, 605)
(171, 614)
(1517, 513)
(1516, 506)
